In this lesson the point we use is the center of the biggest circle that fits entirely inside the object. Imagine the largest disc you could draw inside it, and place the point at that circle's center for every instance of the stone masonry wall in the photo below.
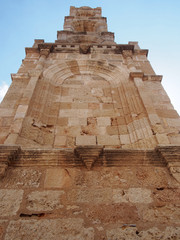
(106, 203)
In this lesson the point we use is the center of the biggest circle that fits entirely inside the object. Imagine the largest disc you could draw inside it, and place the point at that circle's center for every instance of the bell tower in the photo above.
(90, 141)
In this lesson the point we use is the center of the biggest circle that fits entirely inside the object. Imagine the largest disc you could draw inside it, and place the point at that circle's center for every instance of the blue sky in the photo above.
(154, 24)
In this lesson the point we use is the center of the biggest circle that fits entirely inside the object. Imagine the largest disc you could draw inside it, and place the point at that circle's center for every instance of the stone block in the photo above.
(44, 200)
(62, 121)
(85, 140)
(130, 231)
(123, 129)
(108, 140)
(166, 214)
(90, 195)
(59, 229)
(11, 139)
(10, 201)
(93, 106)
(21, 111)
(21, 177)
(112, 130)
(103, 121)
(162, 138)
(57, 178)
(124, 139)
(3, 224)
(6, 112)
(65, 105)
(121, 121)
(60, 141)
(133, 195)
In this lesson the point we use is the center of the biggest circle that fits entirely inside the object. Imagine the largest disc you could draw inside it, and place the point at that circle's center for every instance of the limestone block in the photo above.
(112, 130)
(16, 125)
(11, 139)
(123, 129)
(85, 140)
(108, 140)
(103, 121)
(154, 119)
(122, 234)
(21, 111)
(112, 213)
(10, 201)
(133, 195)
(90, 195)
(77, 121)
(139, 195)
(59, 229)
(2, 227)
(93, 106)
(44, 200)
(60, 141)
(124, 139)
(132, 233)
(156, 234)
(162, 138)
(57, 178)
(62, 121)
(166, 214)
(22, 177)
(173, 122)
(6, 112)
(66, 105)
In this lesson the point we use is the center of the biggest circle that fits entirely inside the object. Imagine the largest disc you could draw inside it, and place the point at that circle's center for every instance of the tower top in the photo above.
(85, 25)
(85, 11)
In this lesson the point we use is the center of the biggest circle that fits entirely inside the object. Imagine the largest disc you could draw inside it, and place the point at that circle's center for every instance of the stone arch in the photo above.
(113, 115)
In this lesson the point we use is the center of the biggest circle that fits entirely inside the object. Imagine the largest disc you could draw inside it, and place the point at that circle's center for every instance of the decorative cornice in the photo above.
(141, 52)
(19, 76)
(31, 50)
(156, 78)
(136, 75)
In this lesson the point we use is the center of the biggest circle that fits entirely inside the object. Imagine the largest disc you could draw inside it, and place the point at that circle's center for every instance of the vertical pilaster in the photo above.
(27, 97)
(148, 104)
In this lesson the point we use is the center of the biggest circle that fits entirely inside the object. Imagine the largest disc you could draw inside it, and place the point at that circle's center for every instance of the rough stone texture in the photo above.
(85, 89)
(3, 224)
(57, 178)
(21, 178)
(133, 195)
(44, 201)
(60, 229)
(10, 201)
(132, 233)
(89, 141)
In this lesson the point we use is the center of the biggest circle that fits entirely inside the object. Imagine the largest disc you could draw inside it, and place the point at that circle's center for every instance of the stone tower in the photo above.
(89, 141)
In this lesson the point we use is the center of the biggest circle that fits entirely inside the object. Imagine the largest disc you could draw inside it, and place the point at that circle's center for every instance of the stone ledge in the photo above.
(90, 156)
(171, 155)
(8, 153)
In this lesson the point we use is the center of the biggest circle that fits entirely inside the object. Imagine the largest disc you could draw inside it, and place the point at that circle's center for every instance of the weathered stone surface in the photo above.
(88, 115)
(3, 224)
(10, 201)
(44, 200)
(165, 214)
(57, 178)
(112, 213)
(132, 233)
(59, 229)
(133, 195)
(84, 195)
(24, 178)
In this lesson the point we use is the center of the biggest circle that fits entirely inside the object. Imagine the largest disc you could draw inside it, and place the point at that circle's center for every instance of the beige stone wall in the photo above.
(73, 203)
(79, 131)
